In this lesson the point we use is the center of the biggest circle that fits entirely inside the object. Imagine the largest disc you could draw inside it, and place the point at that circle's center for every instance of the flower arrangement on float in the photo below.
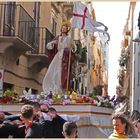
(73, 98)
(10, 96)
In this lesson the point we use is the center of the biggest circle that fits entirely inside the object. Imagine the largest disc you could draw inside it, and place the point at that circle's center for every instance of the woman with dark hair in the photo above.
(122, 127)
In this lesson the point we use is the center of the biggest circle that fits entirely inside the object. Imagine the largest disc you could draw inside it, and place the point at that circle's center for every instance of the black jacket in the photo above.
(58, 127)
(7, 129)
(47, 128)
(34, 131)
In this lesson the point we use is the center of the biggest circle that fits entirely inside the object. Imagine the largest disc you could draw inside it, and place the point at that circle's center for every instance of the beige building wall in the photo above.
(45, 12)
(28, 6)
(98, 75)
(17, 71)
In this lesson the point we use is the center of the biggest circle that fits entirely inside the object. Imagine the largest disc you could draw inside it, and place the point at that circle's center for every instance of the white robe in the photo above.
(52, 79)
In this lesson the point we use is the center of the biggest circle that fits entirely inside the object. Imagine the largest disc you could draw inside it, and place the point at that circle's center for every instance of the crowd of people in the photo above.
(41, 121)
(36, 121)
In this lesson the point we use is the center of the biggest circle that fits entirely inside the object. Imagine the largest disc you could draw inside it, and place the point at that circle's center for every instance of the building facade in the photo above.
(136, 66)
(25, 29)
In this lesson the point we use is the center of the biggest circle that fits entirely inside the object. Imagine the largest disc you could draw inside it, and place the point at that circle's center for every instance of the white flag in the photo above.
(82, 19)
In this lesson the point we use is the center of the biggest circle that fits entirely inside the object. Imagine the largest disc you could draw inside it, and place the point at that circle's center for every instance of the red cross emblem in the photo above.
(82, 16)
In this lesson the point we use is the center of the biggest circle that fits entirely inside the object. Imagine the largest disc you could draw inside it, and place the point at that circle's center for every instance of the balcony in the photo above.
(38, 58)
(16, 29)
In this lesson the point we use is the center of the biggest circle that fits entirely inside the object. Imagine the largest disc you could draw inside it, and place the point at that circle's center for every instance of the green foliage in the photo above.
(81, 53)
(10, 93)
(95, 91)
(124, 58)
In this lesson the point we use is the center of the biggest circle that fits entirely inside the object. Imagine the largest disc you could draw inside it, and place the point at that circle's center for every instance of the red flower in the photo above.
(84, 97)
(5, 99)
(87, 100)
(91, 101)
(79, 100)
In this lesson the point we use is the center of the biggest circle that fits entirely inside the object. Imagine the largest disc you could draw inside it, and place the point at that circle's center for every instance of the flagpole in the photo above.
(88, 61)
(68, 76)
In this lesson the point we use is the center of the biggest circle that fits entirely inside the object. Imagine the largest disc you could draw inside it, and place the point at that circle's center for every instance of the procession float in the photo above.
(92, 113)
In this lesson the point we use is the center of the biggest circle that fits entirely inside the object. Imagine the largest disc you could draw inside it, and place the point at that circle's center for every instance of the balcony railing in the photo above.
(16, 22)
(42, 37)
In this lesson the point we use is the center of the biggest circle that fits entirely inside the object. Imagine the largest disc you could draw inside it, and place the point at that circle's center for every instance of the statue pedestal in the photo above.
(64, 109)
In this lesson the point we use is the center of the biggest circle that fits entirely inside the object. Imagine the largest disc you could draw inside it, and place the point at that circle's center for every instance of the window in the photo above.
(53, 22)
(7, 86)
(9, 18)
(36, 31)
(37, 13)
(17, 62)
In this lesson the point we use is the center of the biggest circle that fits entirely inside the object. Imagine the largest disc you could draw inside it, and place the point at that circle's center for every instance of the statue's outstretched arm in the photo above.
(51, 44)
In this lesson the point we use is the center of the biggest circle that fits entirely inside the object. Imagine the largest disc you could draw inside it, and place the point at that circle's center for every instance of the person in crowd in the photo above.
(39, 115)
(135, 118)
(47, 127)
(36, 111)
(11, 126)
(44, 111)
(70, 130)
(47, 122)
(57, 123)
(7, 130)
(2, 117)
(122, 127)
(33, 129)
(44, 107)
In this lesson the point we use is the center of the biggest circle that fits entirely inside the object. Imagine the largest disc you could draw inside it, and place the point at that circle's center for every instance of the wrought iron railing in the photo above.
(42, 37)
(15, 21)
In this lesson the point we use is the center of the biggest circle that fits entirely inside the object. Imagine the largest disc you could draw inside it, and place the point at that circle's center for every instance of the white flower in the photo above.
(45, 95)
(38, 97)
(65, 96)
(95, 102)
(112, 104)
(58, 96)
(42, 93)
(99, 104)
(105, 101)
